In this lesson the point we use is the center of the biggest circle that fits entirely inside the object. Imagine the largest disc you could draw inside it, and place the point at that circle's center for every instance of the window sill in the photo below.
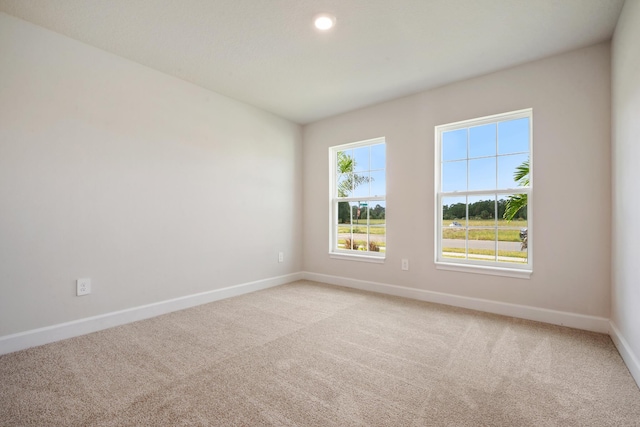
(362, 258)
(478, 269)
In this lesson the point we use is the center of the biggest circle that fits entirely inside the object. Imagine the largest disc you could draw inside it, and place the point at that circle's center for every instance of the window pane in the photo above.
(360, 215)
(482, 140)
(344, 161)
(513, 136)
(378, 156)
(514, 207)
(454, 145)
(354, 212)
(454, 211)
(346, 230)
(454, 176)
(344, 185)
(513, 252)
(454, 234)
(345, 240)
(361, 159)
(377, 227)
(344, 227)
(482, 243)
(378, 242)
(378, 183)
(453, 242)
(378, 212)
(360, 237)
(482, 174)
(507, 167)
(482, 228)
(344, 213)
(343, 232)
(482, 208)
(361, 184)
(513, 235)
(512, 245)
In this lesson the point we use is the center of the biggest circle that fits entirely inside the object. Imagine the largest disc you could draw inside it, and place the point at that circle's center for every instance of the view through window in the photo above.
(483, 188)
(358, 198)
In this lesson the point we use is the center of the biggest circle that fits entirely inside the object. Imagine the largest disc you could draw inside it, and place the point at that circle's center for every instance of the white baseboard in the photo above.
(572, 320)
(36, 337)
(630, 359)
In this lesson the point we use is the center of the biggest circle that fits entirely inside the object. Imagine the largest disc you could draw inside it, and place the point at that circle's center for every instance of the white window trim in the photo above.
(476, 266)
(377, 259)
(334, 252)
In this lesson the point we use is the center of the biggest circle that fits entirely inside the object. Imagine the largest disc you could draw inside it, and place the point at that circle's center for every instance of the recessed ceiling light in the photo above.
(324, 21)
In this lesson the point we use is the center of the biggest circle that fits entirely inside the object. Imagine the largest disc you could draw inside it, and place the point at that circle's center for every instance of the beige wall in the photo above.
(570, 97)
(151, 186)
(625, 311)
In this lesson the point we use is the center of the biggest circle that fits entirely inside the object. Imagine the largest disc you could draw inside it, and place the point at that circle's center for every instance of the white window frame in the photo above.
(334, 251)
(477, 266)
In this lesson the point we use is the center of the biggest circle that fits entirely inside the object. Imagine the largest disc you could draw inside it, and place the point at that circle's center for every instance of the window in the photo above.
(358, 200)
(483, 194)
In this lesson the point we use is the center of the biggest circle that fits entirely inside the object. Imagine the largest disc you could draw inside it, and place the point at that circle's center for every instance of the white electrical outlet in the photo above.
(405, 264)
(280, 256)
(83, 286)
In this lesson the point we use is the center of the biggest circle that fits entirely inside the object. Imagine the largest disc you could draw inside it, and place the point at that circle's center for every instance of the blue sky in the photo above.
(484, 156)
(370, 161)
(488, 160)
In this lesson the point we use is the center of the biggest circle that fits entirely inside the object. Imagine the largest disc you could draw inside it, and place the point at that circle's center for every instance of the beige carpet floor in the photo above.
(308, 354)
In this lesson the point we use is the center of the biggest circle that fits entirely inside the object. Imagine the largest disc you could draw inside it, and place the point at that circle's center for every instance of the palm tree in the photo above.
(346, 164)
(519, 201)
(349, 181)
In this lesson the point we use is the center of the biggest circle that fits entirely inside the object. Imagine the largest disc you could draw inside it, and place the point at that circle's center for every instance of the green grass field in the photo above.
(360, 227)
(507, 231)
(478, 230)
(516, 223)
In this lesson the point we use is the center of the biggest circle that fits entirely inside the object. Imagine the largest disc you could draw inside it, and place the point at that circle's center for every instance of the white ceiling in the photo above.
(267, 53)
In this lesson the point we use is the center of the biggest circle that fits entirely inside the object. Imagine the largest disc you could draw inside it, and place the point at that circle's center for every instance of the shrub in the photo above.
(348, 244)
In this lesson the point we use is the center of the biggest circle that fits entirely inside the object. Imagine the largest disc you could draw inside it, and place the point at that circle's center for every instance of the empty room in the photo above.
(319, 213)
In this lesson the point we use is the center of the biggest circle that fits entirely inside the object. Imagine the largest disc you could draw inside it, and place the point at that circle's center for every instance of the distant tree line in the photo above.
(483, 209)
(345, 214)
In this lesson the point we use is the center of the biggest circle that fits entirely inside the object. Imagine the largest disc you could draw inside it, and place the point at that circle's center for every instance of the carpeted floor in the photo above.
(307, 354)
